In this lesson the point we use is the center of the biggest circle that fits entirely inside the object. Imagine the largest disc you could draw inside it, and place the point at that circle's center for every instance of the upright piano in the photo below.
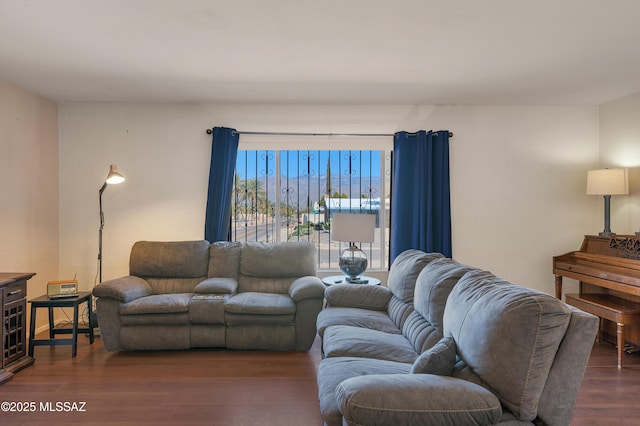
(608, 269)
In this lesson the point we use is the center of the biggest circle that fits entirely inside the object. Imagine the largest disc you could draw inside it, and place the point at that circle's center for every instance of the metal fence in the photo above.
(292, 194)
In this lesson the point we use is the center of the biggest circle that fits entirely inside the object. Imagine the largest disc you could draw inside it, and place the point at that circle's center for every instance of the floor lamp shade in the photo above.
(114, 176)
(607, 182)
(353, 228)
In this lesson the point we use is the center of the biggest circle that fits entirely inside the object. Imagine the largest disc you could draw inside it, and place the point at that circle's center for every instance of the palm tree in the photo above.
(255, 196)
(238, 191)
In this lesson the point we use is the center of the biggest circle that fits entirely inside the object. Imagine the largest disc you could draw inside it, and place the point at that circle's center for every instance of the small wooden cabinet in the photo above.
(13, 345)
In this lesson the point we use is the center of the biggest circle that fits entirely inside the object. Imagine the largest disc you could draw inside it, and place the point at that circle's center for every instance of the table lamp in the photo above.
(607, 182)
(352, 228)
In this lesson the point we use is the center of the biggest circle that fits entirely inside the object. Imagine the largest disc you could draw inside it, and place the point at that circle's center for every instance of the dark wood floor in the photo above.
(237, 388)
(609, 395)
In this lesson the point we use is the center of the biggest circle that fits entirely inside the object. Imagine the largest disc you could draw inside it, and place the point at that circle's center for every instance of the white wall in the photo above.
(28, 187)
(518, 187)
(518, 175)
(620, 147)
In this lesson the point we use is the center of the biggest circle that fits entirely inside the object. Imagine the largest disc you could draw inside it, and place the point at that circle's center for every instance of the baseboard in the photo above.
(40, 329)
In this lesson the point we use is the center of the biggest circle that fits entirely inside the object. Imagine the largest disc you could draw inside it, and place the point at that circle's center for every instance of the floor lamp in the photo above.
(114, 177)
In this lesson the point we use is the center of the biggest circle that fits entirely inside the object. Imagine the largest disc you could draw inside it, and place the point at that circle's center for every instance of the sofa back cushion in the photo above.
(423, 328)
(272, 267)
(224, 259)
(399, 311)
(170, 266)
(404, 272)
(507, 335)
(433, 286)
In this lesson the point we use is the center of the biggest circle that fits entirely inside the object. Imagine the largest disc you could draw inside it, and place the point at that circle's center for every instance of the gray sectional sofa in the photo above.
(192, 294)
(447, 344)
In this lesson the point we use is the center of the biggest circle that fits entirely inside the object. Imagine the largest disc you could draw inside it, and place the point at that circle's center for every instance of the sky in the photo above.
(302, 163)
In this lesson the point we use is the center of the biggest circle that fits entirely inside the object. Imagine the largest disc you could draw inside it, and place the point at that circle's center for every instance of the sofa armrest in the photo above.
(124, 289)
(403, 399)
(363, 296)
(217, 286)
(308, 287)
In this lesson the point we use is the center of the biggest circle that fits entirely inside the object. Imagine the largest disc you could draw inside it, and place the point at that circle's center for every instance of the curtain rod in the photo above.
(209, 131)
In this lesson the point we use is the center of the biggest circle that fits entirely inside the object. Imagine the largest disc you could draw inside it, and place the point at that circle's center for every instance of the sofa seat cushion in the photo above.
(157, 304)
(332, 371)
(348, 341)
(356, 317)
(254, 303)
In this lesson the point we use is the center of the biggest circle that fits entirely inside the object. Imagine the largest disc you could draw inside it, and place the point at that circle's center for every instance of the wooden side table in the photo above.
(63, 302)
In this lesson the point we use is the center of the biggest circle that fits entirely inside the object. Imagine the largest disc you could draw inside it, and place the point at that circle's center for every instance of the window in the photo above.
(288, 195)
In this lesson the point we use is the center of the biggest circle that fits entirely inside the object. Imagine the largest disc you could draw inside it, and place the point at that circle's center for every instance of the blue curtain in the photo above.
(420, 201)
(224, 150)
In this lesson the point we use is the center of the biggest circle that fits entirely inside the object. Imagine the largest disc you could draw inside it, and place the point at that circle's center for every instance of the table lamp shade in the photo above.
(352, 228)
(356, 227)
(608, 182)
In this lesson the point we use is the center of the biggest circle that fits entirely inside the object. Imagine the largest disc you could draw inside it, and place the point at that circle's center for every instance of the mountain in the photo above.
(313, 188)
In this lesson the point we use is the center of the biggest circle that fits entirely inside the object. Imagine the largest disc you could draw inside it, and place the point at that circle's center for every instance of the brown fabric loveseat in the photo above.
(192, 294)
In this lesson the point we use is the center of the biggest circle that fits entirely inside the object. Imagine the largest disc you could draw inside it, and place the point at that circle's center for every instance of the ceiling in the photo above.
(570, 52)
